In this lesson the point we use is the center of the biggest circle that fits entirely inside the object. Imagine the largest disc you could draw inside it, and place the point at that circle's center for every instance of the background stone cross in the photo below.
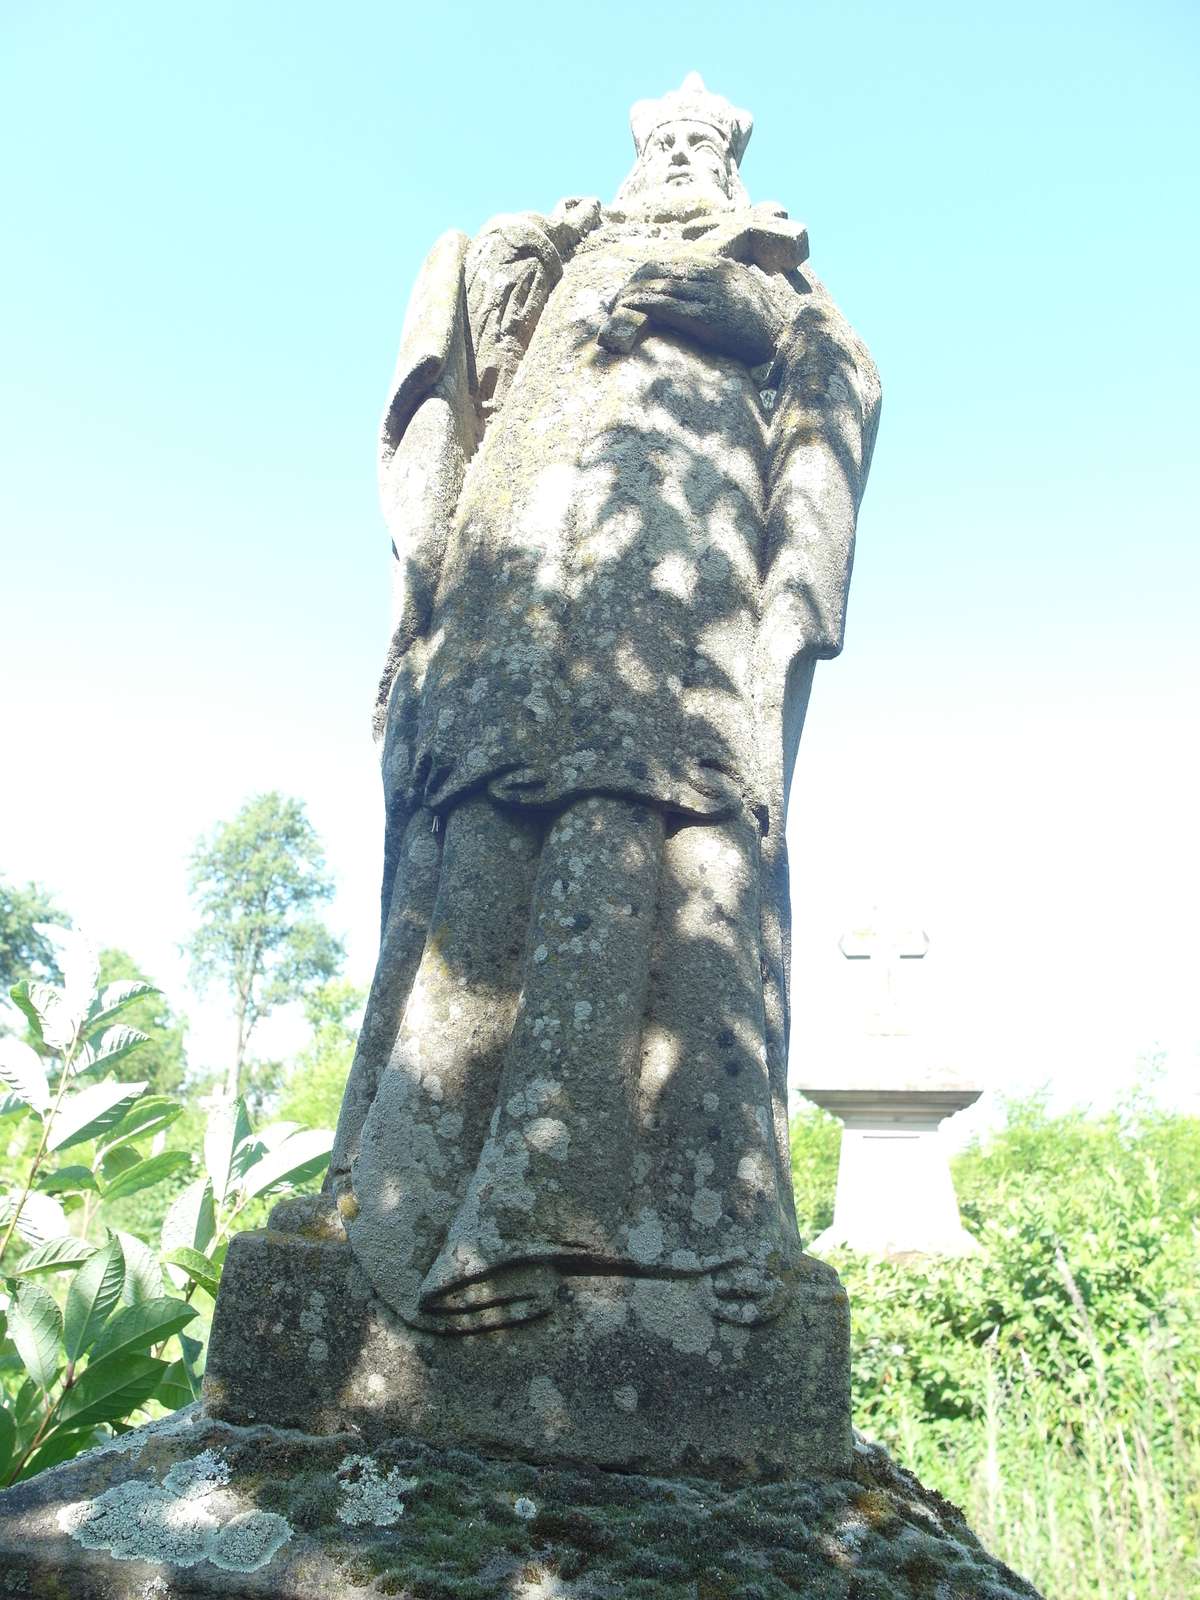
(885, 945)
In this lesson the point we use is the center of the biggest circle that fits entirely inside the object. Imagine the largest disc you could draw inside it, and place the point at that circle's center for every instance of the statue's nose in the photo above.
(680, 158)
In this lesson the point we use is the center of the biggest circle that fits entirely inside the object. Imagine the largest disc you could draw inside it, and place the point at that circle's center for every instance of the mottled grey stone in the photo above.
(621, 466)
(633, 1373)
(412, 1521)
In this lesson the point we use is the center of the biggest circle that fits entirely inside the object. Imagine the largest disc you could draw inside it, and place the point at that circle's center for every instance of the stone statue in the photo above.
(621, 466)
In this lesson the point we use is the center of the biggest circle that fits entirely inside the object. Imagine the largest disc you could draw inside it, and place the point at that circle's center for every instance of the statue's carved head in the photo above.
(689, 145)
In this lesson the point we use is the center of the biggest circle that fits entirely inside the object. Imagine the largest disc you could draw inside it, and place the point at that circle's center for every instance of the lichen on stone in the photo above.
(183, 1521)
(369, 1495)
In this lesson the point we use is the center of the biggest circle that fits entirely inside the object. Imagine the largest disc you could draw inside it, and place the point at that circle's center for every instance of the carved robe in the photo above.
(619, 569)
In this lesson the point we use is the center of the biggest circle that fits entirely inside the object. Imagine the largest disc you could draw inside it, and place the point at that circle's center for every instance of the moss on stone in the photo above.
(478, 1529)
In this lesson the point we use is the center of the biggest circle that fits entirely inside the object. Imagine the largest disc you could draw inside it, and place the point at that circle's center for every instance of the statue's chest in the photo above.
(571, 393)
(592, 280)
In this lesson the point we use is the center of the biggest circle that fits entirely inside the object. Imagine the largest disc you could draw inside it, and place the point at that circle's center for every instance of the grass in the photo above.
(1105, 1507)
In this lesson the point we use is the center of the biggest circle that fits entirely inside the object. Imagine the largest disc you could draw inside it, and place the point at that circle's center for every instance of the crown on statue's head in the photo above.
(692, 102)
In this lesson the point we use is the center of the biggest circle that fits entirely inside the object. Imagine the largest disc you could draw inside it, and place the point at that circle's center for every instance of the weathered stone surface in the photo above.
(635, 1373)
(621, 467)
(191, 1509)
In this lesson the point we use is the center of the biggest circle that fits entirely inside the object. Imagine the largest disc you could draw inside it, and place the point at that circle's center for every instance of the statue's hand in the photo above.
(723, 305)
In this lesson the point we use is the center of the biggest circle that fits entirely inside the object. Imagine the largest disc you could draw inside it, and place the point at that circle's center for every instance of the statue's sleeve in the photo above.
(430, 431)
(822, 434)
(469, 322)
(512, 268)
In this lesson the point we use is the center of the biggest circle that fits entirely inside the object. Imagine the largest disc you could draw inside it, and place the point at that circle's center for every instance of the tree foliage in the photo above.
(24, 950)
(163, 1058)
(315, 1081)
(1050, 1384)
(91, 1335)
(257, 882)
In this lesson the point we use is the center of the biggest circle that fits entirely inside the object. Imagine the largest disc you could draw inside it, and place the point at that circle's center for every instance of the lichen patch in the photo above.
(185, 1520)
(370, 1496)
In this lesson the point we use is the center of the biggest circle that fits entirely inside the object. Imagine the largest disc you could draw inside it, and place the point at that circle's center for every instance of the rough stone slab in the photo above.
(629, 1373)
(154, 1515)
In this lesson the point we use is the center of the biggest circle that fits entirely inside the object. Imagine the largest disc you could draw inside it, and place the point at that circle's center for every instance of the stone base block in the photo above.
(192, 1509)
(628, 1373)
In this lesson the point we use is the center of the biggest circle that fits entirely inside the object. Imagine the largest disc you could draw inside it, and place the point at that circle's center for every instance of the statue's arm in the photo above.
(822, 434)
(512, 268)
(430, 431)
(470, 320)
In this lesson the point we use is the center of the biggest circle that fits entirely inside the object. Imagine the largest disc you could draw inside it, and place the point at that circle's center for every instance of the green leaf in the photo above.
(299, 1157)
(110, 1389)
(113, 1001)
(91, 1113)
(66, 1180)
(250, 1150)
(198, 1267)
(80, 964)
(114, 1162)
(190, 1221)
(8, 1441)
(47, 1012)
(35, 1327)
(21, 1070)
(21, 995)
(227, 1127)
(143, 1275)
(150, 1115)
(115, 1043)
(192, 1362)
(148, 1172)
(274, 1134)
(95, 1290)
(41, 1218)
(28, 1396)
(60, 1446)
(138, 1327)
(63, 1254)
(176, 1389)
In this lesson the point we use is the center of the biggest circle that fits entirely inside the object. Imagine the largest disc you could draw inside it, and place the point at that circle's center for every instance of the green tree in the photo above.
(312, 1091)
(162, 1060)
(23, 950)
(816, 1140)
(257, 882)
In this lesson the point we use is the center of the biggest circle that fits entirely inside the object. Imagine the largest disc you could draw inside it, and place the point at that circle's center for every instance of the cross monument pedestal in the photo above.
(895, 1195)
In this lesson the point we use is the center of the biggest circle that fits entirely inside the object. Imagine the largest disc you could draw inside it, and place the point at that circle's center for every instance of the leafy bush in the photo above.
(89, 1334)
(1050, 1384)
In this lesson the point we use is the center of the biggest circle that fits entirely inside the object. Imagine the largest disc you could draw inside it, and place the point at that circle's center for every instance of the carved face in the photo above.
(686, 157)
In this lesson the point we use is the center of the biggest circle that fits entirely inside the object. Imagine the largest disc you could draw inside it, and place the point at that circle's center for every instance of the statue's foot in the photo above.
(746, 1295)
(503, 1299)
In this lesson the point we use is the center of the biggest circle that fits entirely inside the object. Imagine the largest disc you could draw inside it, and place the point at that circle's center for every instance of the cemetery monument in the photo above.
(621, 465)
(895, 1194)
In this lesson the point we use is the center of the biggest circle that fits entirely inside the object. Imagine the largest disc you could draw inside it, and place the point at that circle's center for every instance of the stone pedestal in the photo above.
(192, 1509)
(637, 1374)
(895, 1195)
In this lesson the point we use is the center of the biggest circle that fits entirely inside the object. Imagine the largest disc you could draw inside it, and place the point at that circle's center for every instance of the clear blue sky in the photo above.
(213, 217)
